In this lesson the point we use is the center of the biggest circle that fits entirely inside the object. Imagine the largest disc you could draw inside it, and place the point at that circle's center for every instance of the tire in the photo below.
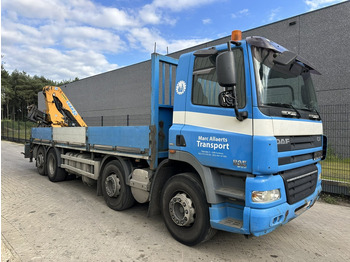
(40, 161)
(116, 193)
(54, 172)
(185, 210)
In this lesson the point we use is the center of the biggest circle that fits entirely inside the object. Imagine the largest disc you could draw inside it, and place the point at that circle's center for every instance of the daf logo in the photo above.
(283, 141)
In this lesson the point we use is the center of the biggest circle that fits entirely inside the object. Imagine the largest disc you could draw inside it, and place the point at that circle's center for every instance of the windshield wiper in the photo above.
(286, 113)
(316, 116)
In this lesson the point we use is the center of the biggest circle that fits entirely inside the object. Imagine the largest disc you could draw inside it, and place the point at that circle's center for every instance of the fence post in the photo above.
(127, 120)
(13, 130)
(25, 131)
(101, 120)
(18, 130)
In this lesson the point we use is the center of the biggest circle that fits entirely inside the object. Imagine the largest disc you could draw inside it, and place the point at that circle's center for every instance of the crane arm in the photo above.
(59, 110)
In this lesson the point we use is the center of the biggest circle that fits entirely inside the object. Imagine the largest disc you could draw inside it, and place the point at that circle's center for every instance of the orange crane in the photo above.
(59, 110)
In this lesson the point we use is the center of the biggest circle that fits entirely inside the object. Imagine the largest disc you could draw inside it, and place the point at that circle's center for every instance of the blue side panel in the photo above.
(265, 146)
(124, 136)
(161, 109)
(227, 211)
(217, 148)
(214, 145)
(42, 133)
(165, 122)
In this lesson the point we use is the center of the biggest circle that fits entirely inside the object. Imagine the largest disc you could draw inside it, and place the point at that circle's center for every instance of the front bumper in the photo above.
(258, 221)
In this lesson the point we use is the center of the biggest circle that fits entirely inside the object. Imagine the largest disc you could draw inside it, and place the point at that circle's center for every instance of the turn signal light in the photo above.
(236, 35)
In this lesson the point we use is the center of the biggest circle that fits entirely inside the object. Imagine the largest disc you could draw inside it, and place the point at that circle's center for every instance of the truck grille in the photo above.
(291, 143)
(294, 143)
(300, 182)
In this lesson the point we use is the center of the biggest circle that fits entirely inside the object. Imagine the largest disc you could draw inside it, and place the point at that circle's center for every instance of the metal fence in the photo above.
(336, 120)
(336, 167)
(16, 131)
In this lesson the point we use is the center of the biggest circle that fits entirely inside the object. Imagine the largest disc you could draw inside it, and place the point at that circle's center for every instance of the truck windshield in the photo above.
(279, 86)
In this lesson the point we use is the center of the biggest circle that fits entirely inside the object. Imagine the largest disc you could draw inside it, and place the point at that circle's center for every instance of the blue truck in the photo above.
(234, 143)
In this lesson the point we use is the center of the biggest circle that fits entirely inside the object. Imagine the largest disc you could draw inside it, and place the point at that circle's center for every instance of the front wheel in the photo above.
(185, 210)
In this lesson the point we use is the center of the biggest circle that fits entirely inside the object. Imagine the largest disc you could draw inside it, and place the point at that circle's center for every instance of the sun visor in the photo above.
(262, 42)
(308, 65)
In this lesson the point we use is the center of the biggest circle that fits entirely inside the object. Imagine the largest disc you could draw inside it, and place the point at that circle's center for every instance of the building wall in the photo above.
(118, 97)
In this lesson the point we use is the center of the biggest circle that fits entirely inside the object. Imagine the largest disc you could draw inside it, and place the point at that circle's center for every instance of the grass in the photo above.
(335, 199)
(336, 169)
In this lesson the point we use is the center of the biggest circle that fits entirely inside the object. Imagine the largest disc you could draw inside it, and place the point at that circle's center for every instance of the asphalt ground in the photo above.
(66, 221)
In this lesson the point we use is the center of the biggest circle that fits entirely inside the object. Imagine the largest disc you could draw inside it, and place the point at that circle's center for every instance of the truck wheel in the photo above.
(54, 172)
(185, 210)
(40, 161)
(115, 191)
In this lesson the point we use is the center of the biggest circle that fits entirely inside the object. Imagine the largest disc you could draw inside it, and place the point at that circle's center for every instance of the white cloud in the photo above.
(315, 4)
(146, 38)
(150, 15)
(21, 34)
(154, 13)
(88, 38)
(177, 45)
(150, 37)
(180, 5)
(274, 13)
(240, 13)
(244, 11)
(38, 10)
(104, 17)
(206, 21)
(64, 39)
(55, 64)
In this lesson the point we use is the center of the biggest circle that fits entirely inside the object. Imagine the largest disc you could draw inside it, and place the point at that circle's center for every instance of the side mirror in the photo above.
(225, 69)
(226, 76)
(226, 99)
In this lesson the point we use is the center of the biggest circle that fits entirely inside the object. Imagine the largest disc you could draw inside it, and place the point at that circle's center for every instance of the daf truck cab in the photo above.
(246, 114)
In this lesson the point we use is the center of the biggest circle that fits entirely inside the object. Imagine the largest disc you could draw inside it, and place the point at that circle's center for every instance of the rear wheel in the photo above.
(54, 172)
(40, 161)
(116, 192)
(185, 210)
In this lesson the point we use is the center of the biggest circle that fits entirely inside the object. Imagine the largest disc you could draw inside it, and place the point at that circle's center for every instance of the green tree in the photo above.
(7, 93)
(19, 90)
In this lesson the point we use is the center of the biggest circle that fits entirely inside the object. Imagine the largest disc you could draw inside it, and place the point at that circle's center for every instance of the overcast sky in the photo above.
(64, 39)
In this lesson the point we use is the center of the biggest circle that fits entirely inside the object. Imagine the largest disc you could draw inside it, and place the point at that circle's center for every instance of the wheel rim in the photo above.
(40, 160)
(181, 210)
(51, 165)
(112, 185)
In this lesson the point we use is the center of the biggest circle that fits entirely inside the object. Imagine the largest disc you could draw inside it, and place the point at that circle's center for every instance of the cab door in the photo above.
(212, 133)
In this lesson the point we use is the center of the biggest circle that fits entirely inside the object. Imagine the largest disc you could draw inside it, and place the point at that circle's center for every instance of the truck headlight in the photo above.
(266, 196)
